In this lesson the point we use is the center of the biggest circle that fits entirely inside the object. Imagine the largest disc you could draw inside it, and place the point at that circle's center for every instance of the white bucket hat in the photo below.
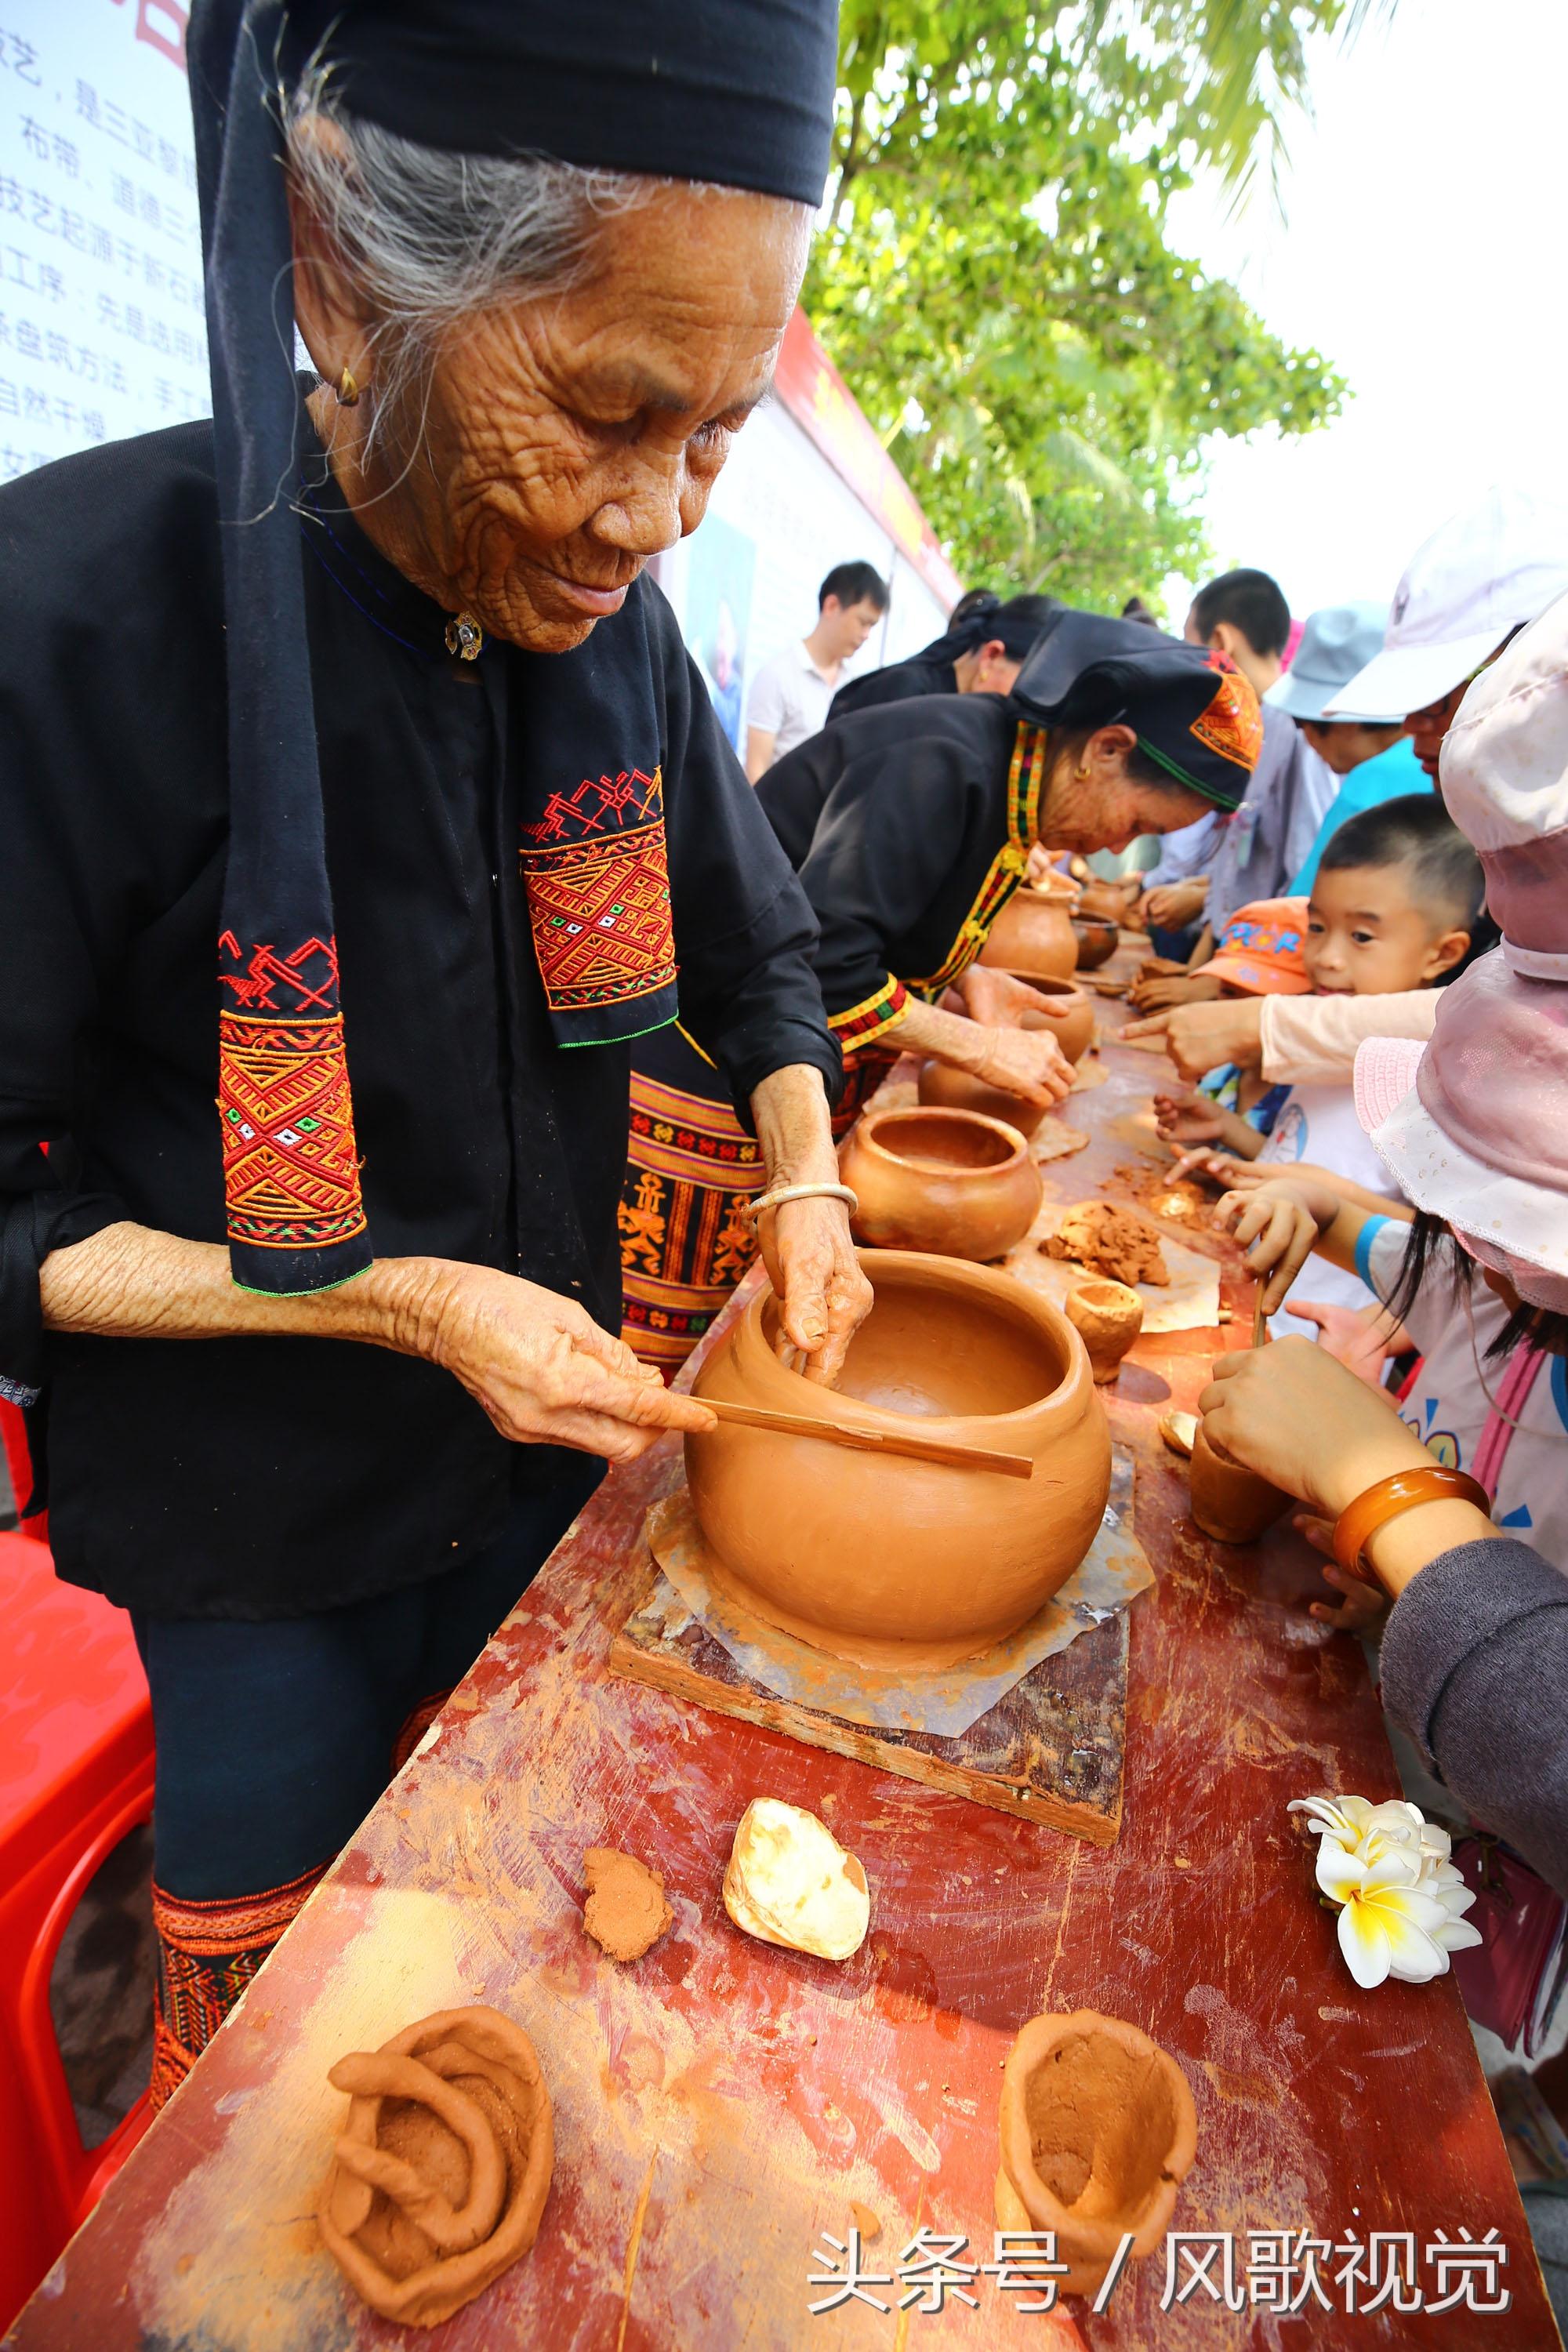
(1490, 567)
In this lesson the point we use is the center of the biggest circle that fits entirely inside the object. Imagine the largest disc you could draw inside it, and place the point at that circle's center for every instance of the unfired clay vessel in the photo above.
(885, 1559)
(1107, 1317)
(1097, 2131)
(1102, 901)
(1033, 935)
(1230, 1502)
(440, 2173)
(944, 1087)
(948, 1180)
(1069, 1014)
(1097, 940)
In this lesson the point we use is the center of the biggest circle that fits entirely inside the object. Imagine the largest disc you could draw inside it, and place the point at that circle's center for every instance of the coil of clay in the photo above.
(439, 2175)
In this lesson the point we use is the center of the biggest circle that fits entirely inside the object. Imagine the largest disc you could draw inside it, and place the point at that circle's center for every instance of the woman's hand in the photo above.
(1200, 1038)
(824, 1298)
(1304, 1422)
(999, 1002)
(543, 1369)
(1027, 1062)
(1278, 1226)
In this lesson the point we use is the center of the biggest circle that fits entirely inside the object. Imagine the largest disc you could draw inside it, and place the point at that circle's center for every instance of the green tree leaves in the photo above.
(997, 284)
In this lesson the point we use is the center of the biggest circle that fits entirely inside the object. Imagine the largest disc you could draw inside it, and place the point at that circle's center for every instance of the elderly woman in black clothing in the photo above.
(910, 826)
(360, 687)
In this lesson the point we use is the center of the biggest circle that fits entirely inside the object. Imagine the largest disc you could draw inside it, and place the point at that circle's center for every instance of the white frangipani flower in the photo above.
(1402, 1899)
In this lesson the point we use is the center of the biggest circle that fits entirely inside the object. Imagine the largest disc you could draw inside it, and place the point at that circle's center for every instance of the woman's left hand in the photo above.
(824, 1295)
(1304, 1422)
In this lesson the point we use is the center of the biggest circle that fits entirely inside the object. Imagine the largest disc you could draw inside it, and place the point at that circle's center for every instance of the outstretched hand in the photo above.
(1278, 1224)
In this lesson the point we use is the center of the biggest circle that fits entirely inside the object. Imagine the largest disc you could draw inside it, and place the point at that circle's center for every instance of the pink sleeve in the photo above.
(1312, 1040)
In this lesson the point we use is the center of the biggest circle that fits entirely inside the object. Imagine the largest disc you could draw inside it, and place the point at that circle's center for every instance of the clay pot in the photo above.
(1097, 2131)
(1097, 940)
(1033, 935)
(1105, 901)
(1072, 1024)
(1107, 1317)
(948, 1180)
(1229, 1502)
(885, 1559)
(944, 1087)
(443, 2165)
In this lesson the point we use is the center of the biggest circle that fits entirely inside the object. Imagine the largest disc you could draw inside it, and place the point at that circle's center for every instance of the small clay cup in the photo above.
(1097, 940)
(944, 1087)
(1107, 1317)
(1033, 935)
(1229, 1502)
(1097, 2132)
(877, 1557)
(945, 1180)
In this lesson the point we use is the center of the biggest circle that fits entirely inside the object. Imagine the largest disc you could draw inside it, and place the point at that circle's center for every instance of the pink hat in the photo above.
(1504, 770)
(1475, 1126)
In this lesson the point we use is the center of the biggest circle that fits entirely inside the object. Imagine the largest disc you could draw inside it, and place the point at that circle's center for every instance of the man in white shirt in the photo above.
(790, 694)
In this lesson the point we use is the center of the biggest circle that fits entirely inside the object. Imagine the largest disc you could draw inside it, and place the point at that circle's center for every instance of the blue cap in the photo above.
(1335, 643)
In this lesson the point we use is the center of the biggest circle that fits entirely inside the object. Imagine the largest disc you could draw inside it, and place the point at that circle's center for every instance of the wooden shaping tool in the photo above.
(1259, 1320)
(872, 1441)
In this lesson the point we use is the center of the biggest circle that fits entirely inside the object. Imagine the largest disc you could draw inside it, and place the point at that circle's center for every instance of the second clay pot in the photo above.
(944, 1088)
(1097, 940)
(1229, 1502)
(947, 1180)
(1033, 935)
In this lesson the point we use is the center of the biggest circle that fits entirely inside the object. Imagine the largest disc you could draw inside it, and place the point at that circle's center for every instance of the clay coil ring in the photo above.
(453, 2229)
(782, 1194)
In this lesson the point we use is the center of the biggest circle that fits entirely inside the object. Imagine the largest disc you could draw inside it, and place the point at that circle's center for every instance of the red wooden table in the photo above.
(720, 2105)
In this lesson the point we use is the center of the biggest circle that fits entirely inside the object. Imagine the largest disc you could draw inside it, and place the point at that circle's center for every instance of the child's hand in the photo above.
(1182, 988)
(1361, 1337)
(1362, 1605)
(1188, 1120)
(1278, 1226)
(1222, 1168)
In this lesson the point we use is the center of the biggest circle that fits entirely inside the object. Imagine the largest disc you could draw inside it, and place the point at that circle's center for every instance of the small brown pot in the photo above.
(877, 1557)
(944, 1087)
(1033, 936)
(1097, 940)
(1105, 901)
(1071, 1017)
(1229, 1502)
(1097, 2131)
(946, 1181)
(1107, 1317)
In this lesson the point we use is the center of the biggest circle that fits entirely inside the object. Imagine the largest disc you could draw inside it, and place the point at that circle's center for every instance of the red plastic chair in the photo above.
(18, 1462)
(75, 1774)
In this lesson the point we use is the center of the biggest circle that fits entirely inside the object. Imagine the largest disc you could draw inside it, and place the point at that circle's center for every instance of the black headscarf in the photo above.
(1200, 723)
(734, 91)
(1016, 622)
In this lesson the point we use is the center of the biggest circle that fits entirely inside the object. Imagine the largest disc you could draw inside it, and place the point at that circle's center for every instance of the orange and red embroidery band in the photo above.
(290, 1170)
(596, 872)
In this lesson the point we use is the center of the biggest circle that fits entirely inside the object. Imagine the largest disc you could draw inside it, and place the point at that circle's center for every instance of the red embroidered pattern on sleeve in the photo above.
(863, 1024)
(596, 872)
(290, 1169)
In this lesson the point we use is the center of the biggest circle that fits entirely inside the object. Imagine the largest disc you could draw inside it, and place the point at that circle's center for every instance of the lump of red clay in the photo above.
(1097, 2132)
(626, 1911)
(790, 1882)
(1113, 1241)
(440, 2173)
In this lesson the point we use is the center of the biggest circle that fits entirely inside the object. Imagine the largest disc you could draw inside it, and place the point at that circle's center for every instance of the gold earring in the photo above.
(1080, 774)
(347, 391)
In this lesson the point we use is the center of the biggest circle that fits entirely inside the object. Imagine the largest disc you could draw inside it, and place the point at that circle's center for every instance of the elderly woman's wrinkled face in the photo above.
(569, 437)
(1091, 803)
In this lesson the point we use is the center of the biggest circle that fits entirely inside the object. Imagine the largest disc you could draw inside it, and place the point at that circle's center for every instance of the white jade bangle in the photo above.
(783, 1193)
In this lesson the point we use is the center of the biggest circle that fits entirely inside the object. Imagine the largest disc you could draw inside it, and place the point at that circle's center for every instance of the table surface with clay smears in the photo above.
(720, 2102)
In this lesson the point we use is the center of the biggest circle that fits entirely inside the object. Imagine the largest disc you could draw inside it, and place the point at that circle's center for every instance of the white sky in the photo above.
(1421, 253)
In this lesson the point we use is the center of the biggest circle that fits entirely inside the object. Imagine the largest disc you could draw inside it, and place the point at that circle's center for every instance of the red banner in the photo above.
(822, 404)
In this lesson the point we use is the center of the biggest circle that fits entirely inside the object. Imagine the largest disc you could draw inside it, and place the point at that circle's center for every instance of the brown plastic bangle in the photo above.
(1385, 1500)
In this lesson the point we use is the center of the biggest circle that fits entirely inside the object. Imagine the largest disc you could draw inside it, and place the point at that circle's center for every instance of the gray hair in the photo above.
(432, 238)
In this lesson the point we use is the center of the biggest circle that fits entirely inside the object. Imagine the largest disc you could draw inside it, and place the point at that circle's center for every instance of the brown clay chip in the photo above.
(625, 1912)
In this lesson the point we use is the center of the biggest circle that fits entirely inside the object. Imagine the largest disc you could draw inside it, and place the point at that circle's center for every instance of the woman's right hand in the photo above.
(1024, 1062)
(1306, 1423)
(544, 1371)
(1278, 1226)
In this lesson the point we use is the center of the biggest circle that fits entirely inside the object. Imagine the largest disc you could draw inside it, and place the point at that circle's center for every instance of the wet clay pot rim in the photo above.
(1091, 2237)
(876, 1124)
(756, 1364)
